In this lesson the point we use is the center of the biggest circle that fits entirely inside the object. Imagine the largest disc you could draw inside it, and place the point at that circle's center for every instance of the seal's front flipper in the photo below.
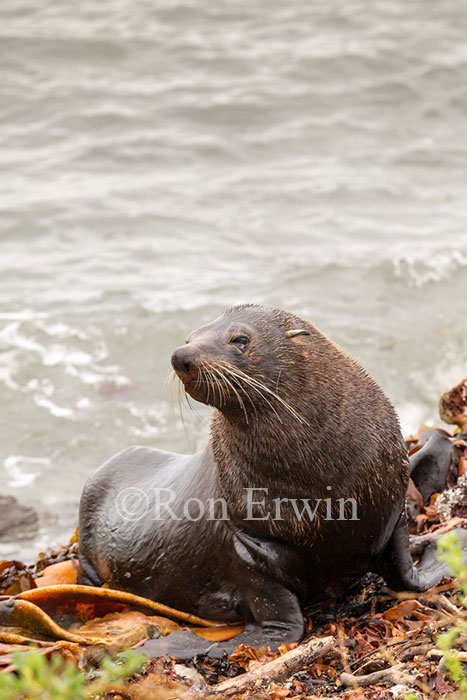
(398, 569)
(87, 574)
(277, 619)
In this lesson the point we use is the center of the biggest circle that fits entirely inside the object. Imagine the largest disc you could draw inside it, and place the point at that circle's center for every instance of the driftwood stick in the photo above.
(438, 654)
(274, 671)
(393, 674)
(414, 649)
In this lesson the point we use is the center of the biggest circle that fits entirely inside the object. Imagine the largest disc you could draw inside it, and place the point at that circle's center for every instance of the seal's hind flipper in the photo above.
(435, 457)
(398, 569)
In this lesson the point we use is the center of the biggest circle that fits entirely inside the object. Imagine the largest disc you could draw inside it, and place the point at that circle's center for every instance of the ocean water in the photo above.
(160, 161)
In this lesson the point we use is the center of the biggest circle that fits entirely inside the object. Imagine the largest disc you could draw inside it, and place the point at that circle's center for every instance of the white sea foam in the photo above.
(58, 411)
(22, 470)
(434, 265)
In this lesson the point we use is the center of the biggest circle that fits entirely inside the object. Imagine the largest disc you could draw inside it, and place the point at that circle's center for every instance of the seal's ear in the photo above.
(296, 331)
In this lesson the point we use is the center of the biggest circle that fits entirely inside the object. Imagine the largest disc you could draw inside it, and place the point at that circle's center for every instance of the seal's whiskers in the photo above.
(262, 389)
(217, 381)
(227, 381)
(180, 406)
(254, 383)
(241, 381)
(240, 387)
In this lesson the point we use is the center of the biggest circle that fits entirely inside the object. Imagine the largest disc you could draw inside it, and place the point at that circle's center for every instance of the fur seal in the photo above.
(296, 421)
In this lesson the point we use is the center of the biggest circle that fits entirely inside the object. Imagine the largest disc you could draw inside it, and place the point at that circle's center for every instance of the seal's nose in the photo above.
(183, 359)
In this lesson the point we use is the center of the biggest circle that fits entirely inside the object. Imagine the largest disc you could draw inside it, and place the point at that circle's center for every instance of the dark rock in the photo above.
(15, 517)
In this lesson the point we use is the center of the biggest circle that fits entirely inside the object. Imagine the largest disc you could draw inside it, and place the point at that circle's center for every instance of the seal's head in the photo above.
(239, 361)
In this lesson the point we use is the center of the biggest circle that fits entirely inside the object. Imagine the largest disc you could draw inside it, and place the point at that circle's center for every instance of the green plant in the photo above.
(38, 678)
(450, 551)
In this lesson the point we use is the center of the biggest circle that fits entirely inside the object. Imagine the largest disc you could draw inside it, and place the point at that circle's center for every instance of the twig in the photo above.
(449, 606)
(260, 678)
(429, 595)
(414, 649)
(392, 674)
(438, 654)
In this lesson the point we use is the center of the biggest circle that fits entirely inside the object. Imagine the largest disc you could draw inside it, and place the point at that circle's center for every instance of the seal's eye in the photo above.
(241, 342)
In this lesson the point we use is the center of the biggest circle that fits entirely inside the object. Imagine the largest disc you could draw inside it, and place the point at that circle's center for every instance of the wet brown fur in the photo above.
(348, 438)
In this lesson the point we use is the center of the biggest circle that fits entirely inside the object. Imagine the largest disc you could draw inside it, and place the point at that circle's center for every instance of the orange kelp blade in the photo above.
(96, 602)
(85, 615)
(218, 634)
(65, 572)
(24, 622)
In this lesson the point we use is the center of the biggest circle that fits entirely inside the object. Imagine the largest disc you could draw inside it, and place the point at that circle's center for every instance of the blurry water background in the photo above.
(161, 160)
